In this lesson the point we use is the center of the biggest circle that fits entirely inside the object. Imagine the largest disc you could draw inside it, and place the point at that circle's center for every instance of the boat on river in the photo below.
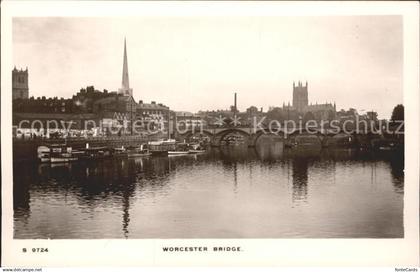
(61, 153)
(193, 151)
(171, 148)
(63, 157)
(43, 153)
(177, 153)
(196, 149)
(119, 152)
(140, 151)
(180, 149)
(56, 153)
(93, 153)
(162, 147)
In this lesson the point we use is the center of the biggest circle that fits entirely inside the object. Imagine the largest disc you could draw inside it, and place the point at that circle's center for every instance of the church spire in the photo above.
(125, 86)
(125, 82)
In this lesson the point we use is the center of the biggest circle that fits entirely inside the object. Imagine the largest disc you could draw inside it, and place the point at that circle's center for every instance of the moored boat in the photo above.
(56, 153)
(61, 153)
(195, 151)
(119, 152)
(43, 153)
(63, 158)
(177, 153)
(180, 149)
(92, 153)
(137, 152)
(162, 147)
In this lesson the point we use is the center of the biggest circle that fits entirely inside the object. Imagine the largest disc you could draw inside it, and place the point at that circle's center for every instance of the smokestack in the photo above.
(235, 105)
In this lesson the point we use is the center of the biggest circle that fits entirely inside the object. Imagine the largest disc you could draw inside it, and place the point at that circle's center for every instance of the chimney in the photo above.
(235, 105)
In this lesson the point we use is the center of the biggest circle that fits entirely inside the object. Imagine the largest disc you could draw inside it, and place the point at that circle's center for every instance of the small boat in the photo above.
(162, 147)
(180, 149)
(195, 151)
(162, 142)
(135, 155)
(56, 153)
(137, 152)
(43, 153)
(95, 153)
(177, 153)
(63, 158)
(120, 152)
(61, 153)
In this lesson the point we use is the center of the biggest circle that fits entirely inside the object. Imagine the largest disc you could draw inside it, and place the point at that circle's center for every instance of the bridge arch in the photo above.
(257, 135)
(221, 135)
(303, 136)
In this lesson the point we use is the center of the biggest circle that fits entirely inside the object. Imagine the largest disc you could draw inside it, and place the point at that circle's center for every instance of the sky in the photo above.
(197, 63)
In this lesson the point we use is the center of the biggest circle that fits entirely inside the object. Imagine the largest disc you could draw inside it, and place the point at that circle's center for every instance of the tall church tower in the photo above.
(300, 96)
(20, 87)
(125, 86)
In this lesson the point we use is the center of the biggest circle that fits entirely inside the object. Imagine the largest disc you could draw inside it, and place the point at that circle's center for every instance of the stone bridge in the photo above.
(251, 135)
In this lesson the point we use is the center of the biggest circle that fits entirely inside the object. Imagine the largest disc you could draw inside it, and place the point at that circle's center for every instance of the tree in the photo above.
(398, 113)
(331, 115)
(275, 114)
(308, 116)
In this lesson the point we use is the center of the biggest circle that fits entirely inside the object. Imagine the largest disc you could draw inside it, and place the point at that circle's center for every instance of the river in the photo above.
(229, 192)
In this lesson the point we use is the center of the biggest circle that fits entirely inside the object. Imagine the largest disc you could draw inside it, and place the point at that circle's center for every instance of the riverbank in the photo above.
(26, 150)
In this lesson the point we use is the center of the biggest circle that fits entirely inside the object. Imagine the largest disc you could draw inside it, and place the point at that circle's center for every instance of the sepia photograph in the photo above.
(265, 133)
(207, 127)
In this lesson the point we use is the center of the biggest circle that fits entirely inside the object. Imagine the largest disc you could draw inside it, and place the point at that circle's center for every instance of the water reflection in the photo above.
(300, 178)
(128, 188)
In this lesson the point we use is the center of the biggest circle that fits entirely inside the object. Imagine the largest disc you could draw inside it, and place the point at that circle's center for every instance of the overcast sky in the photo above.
(194, 63)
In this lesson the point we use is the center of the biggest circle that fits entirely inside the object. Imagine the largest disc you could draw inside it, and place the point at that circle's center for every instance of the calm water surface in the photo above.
(237, 192)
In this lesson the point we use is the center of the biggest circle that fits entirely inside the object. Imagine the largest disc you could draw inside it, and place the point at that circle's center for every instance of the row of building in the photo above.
(89, 109)
(103, 111)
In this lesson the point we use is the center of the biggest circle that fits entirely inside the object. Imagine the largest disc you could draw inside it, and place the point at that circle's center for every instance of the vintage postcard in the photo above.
(210, 133)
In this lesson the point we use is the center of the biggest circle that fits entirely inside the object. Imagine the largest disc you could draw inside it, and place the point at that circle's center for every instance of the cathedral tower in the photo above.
(300, 96)
(125, 86)
(20, 85)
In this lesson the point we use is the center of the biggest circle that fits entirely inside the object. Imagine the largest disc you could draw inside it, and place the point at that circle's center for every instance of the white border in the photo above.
(257, 252)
